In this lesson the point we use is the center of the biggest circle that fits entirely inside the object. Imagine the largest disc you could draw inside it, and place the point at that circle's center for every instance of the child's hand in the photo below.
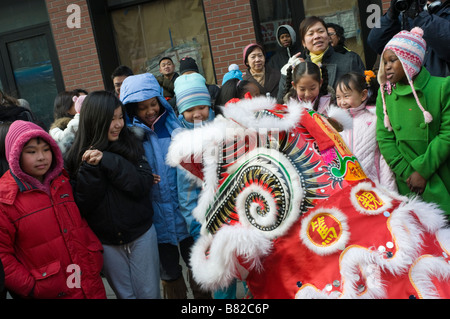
(92, 157)
(416, 183)
(156, 179)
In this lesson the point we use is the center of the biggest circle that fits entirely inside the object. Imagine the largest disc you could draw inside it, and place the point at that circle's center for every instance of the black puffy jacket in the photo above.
(114, 197)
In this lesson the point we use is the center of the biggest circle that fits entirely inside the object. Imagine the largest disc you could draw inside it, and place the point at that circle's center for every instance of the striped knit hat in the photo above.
(190, 91)
(410, 49)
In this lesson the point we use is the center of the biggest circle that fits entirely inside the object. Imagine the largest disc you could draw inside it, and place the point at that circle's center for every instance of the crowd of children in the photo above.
(96, 191)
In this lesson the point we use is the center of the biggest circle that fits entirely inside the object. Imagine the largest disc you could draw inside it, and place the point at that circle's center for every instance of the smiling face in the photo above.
(116, 125)
(334, 39)
(316, 38)
(36, 158)
(148, 111)
(393, 68)
(166, 67)
(347, 98)
(307, 88)
(256, 60)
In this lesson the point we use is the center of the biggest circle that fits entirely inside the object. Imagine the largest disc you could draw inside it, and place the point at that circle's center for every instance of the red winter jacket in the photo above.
(45, 244)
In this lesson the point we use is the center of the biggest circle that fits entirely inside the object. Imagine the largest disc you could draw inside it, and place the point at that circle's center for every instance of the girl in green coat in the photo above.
(413, 131)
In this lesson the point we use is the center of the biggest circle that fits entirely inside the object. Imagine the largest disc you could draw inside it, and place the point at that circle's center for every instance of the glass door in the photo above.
(32, 70)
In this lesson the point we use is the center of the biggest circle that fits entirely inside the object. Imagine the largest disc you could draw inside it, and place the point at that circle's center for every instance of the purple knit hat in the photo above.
(19, 133)
(410, 49)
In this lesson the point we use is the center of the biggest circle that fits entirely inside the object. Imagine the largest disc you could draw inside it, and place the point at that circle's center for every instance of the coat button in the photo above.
(423, 125)
(44, 274)
(397, 127)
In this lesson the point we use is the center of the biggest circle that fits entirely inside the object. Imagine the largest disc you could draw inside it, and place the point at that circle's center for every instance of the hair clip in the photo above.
(369, 75)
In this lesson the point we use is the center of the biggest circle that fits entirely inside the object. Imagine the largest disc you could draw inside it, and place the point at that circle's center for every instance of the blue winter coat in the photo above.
(189, 191)
(168, 220)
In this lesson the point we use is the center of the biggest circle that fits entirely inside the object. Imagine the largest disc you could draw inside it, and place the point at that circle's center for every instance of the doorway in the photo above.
(31, 69)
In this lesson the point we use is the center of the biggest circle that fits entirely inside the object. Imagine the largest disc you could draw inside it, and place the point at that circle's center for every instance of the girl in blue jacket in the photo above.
(153, 119)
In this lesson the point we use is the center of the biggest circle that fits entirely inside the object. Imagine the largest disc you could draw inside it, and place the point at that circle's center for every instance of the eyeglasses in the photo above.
(331, 34)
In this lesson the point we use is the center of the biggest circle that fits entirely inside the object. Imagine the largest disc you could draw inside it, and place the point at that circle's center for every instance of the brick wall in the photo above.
(76, 47)
(230, 26)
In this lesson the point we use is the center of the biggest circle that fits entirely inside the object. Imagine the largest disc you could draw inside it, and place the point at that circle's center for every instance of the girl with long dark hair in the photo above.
(112, 187)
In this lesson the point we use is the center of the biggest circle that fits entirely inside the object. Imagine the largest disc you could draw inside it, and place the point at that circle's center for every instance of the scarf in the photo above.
(317, 58)
(259, 77)
(191, 126)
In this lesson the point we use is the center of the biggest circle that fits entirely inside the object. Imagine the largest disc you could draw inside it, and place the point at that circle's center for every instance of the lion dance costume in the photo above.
(286, 207)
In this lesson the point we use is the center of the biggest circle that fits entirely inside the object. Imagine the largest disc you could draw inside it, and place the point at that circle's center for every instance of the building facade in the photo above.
(48, 46)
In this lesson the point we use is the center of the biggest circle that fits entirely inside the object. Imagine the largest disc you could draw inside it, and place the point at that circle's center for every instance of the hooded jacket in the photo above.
(283, 54)
(168, 220)
(44, 242)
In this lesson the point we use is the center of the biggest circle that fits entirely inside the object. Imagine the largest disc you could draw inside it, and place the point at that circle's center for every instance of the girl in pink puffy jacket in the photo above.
(48, 251)
(357, 94)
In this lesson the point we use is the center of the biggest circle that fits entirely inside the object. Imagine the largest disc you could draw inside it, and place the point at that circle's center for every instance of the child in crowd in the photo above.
(308, 83)
(112, 187)
(413, 127)
(63, 112)
(153, 118)
(356, 93)
(47, 249)
(65, 136)
(235, 89)
(233, 73)
(195, 108)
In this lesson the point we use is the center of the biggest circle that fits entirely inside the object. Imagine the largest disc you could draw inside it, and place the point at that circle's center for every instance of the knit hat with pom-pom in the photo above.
(233, 73)
(410, 47)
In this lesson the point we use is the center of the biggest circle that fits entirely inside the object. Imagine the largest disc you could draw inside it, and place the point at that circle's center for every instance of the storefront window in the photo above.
(272, 14)
(16, 14)
(147, 32)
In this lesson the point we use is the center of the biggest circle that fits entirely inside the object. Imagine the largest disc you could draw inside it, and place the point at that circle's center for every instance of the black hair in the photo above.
(121, 70)
(339, 32)
(231, 89)
(77, 92)
(356, 81)
(311, 69)
(132, 108)
(165, 58)
(307, 23)
(62, 104)
(95, 121)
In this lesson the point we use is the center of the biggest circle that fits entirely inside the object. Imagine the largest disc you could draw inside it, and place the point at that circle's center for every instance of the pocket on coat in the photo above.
(50, 281)
(89, 248)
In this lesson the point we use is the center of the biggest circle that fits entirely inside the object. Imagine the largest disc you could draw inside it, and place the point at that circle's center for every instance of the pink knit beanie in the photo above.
(19, 134)
(410, 49)
(78, 102)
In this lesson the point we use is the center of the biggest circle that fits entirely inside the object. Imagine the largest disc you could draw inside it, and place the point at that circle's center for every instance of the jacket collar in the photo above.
(419, 82)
